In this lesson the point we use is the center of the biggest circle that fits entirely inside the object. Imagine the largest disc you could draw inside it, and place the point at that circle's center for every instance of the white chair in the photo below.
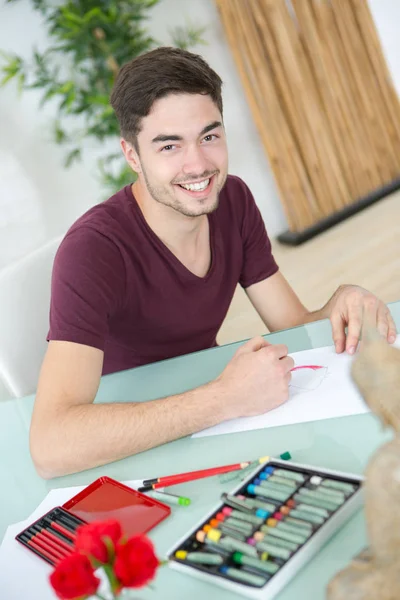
(24, 319)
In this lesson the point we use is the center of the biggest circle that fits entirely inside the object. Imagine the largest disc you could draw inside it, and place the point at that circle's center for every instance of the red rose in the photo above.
(135, 562)
(90, 539)
(74, 577)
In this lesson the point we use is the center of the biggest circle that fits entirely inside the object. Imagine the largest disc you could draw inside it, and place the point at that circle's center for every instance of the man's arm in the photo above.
(69, 433)
(280, 308)
(277, 303)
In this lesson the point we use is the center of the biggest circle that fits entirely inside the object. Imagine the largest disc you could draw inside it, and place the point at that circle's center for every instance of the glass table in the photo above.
(343, 443)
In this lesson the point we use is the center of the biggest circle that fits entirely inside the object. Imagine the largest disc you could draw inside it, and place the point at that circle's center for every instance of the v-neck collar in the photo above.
(164, 248)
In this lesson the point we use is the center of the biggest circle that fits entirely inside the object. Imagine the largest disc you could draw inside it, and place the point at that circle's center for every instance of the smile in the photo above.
(198, 186)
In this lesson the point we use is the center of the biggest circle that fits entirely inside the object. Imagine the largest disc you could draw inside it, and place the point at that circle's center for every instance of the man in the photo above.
(150, 274)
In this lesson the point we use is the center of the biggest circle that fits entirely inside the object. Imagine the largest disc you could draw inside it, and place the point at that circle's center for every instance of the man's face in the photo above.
(183, 156)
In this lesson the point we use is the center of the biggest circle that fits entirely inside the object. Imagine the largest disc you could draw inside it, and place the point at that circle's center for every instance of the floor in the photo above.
(364, 249)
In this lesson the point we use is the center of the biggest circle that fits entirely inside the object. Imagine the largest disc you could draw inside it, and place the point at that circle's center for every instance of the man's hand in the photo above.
(349, 307)
(257, 378)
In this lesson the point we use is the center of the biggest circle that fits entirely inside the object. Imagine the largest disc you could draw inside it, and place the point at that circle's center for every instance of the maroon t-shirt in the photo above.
(117, 287)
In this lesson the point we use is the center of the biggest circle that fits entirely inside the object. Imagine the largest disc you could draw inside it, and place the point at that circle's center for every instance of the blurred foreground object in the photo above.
(375, 573)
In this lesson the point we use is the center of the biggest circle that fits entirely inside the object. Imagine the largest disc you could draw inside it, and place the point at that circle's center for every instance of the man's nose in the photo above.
(194, 161)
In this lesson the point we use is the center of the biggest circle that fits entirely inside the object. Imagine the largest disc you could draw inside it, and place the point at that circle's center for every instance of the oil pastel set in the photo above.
(259, 535)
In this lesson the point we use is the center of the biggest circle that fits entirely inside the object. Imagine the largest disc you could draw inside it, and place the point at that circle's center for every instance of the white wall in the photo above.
(39, 199)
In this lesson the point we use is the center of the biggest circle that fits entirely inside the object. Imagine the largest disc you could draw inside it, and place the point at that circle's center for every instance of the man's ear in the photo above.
(131, 155)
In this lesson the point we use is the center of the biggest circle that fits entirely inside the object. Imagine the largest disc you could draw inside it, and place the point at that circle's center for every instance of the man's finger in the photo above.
(382, 324)
(253, 345)
(355, 312)
(392, 331)
(280, 351)
(288, 363)
(338, 334)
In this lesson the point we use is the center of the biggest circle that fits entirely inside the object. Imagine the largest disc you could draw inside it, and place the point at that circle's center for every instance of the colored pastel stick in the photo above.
(313, 509)
(298, 523)
(232, 532)
(306, 533)
(236, 502)
(239, 525)
(253, 519)
(243, 576)
(277, 487)
(303, 516)
(170, 498)
(273, 550)
(282, 481)
(291, 546)
(321, 501)
(327, 494)
(262, 565)
(315, 501)
(284, 535)
(217, 548)
(258, 490)
(215, 536)
(200, 558)
(339, 485)
(261, 536)
(289, 474)
(258, 503)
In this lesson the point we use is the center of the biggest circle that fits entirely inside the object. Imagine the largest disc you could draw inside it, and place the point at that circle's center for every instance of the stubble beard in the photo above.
(163, 196)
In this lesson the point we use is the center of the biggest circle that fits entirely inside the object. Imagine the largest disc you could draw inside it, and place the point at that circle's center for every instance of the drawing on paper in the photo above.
(307, 378)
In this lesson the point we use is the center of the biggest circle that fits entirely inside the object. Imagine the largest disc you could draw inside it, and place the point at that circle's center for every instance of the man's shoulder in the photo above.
(100, 229)
(105, 215)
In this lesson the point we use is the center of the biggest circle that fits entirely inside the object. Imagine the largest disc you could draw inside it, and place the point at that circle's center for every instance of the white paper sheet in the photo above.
(23, 575)
(314, 395)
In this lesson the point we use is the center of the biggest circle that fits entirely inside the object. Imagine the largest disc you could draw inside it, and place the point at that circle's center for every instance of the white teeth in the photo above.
(196, 187)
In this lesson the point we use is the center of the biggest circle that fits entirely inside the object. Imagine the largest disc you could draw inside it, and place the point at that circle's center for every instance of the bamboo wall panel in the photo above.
(322, 99)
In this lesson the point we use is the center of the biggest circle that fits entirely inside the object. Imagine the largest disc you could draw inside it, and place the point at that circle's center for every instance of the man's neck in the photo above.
(172, 227)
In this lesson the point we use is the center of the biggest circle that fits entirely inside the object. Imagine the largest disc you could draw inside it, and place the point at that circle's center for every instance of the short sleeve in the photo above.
(87, 288)
(258, 260)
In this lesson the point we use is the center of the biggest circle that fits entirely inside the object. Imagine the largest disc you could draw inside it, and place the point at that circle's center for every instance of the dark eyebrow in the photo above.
(166, 138)
(210, 127)
(179, 138)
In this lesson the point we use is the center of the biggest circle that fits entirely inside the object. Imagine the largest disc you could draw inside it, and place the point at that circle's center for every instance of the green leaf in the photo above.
(104, 100)
(59, 134)
(187, 37)
(21, 82)
(73, 156)
(7, 78)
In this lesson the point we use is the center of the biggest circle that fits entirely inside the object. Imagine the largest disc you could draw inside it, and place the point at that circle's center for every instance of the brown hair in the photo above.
(154, 75)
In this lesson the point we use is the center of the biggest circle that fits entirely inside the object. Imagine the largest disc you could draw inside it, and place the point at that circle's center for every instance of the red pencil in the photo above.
(51, 558)
(52, 540)
(52, 544)
(56, 537)
(63, 530)
(47, 553)
(148, 484)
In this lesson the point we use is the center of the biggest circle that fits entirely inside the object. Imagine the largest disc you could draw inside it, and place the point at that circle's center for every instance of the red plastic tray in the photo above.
(106, 498)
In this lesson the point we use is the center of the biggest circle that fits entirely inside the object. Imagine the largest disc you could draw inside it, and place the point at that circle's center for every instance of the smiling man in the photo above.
(150, 274)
